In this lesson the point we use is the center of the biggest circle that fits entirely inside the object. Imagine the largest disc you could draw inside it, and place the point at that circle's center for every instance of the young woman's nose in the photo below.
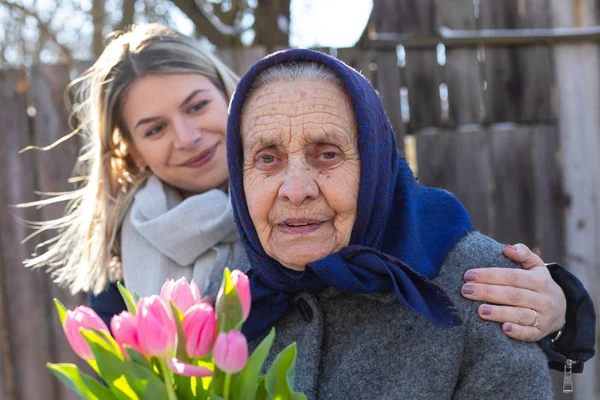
(186, 135)
(298, 184)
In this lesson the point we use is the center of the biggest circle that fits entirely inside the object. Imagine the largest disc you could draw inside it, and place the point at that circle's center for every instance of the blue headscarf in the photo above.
(403, 230)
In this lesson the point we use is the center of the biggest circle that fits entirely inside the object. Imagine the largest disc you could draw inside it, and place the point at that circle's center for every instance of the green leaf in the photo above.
(84, 385)
(261, 390)
(62, 311)
(138, 358)
(129, 303)
(279, 380)
(111, 365)
(136, 297)
(217, 383)
(248, 381)
(185, 388)
(229, 305)
(106, 336)
(181, 351)
(128, 379)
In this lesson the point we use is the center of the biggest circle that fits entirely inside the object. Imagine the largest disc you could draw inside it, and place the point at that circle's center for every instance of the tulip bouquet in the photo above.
(175, 346)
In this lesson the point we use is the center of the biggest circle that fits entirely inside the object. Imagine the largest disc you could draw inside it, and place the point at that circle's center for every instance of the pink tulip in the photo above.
(156, 327)
(189, 370)
(82, 318)
(200, 330)
(231, 352)
(242, 284)
(124, 329)
(181, 293)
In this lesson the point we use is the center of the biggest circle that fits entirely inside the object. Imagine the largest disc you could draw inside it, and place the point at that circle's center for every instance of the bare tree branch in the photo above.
(128, 14)
(207, 23)
(43, 26)
(272, 23)
(98, 18)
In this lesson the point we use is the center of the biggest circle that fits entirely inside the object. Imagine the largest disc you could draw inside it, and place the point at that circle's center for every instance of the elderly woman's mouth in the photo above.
(300, 225)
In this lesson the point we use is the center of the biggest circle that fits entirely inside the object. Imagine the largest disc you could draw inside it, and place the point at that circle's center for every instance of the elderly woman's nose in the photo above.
(298, 185)
(186, 134)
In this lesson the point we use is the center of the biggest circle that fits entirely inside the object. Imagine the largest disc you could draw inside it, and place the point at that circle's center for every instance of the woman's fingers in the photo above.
(506, 295)
(520, 332)
(516, 292)
(522, 255)
(516, 315)
(536, 278)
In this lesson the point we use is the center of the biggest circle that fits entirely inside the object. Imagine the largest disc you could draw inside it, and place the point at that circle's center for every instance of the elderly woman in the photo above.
(353, 259)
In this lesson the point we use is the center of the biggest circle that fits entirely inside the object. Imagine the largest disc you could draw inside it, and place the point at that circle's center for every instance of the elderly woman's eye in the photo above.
(329, 155)
(267, 159)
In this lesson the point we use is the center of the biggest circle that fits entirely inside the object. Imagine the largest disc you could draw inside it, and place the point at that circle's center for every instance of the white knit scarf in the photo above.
(164, 236)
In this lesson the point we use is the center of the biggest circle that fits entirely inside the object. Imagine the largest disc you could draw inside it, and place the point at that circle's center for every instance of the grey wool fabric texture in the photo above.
(371, 347)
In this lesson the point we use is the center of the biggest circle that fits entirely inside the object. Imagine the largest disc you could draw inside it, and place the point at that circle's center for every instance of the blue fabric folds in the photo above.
(403, 230)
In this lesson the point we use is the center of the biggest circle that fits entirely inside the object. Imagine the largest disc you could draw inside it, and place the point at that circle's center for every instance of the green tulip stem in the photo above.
(227, 383)
(167, 377)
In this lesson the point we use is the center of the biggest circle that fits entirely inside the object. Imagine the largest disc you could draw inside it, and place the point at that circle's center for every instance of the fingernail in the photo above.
(470, 276)
(468, 289)
(486, 310)
(511, 246)
(508, 328)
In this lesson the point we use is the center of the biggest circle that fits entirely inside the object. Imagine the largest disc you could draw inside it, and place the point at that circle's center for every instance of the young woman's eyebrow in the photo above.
(183, 104)
(191, 97)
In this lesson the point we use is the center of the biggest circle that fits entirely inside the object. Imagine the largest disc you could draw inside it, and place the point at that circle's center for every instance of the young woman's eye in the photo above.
(198, 106)
(155, 130)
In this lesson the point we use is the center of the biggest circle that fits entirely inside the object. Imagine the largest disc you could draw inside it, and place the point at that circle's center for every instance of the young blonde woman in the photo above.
(154, 205)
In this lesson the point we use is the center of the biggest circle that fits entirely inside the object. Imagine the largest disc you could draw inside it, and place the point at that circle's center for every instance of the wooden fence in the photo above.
(487, 123)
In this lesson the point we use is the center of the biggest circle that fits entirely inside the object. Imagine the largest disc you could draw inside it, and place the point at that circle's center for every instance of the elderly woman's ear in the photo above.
(528, 303)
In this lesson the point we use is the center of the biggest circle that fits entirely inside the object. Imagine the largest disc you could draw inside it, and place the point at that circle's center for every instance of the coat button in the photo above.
(305, 310)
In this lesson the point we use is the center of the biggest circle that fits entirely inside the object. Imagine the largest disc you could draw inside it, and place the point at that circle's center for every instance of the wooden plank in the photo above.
(25, 289)
(361, 60)
(462, 71)
(240, 60)
(8, 80)
(459, 162)
(423, 82)
(549, 196)
(578, 91)
(519, 79)
(513, 197)
(54, 168)
(403, 16)
(388, 85)
(422, 70)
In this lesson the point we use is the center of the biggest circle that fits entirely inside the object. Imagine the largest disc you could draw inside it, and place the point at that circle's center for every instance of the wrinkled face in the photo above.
(301, 169)
(178, 123)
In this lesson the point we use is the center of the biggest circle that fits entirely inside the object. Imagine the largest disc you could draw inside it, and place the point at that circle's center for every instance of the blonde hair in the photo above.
(84, 255)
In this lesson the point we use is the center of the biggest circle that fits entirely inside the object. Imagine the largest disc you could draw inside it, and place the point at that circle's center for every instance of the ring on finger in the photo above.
(536, 320)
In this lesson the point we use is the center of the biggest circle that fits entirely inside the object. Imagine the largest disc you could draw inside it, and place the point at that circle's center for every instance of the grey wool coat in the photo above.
(371, 347)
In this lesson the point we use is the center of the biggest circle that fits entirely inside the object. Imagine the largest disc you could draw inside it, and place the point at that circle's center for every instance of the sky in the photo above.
(328, 23)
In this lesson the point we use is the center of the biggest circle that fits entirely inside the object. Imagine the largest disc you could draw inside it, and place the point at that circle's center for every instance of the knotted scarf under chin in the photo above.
(355, 269)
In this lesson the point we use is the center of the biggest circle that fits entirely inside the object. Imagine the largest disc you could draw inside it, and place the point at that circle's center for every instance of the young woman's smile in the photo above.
(201, 159)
